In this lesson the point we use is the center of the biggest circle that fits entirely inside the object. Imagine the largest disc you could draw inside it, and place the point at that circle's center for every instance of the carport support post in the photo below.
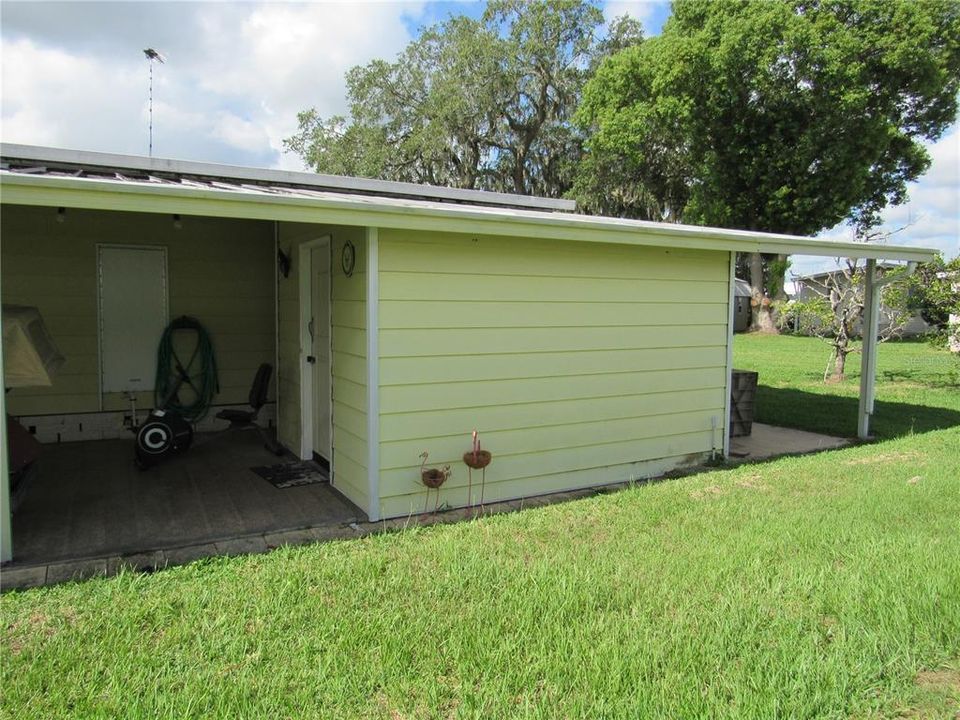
(6, 525)
(868, 353)
(373, 374)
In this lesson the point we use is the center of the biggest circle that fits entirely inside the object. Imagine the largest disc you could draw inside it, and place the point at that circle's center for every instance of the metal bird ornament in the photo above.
(154, 55)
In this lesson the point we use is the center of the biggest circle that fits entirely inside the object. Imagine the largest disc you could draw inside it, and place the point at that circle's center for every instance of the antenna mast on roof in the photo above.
(152, 56)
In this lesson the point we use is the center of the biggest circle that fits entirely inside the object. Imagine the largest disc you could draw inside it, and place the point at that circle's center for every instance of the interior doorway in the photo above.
(315, 361)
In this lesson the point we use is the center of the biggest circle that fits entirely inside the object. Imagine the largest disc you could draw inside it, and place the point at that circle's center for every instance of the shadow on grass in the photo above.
(837, 415)
(948, 380)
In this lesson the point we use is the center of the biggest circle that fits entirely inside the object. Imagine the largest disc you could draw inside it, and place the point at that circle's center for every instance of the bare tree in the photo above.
(831, 306)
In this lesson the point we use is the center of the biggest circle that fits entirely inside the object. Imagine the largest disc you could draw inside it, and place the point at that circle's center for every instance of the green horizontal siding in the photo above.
(348, 356)
(494, 314)
(220, 271)
(506, 366)
(349, 362)
(561, 288)
(445, 423)
(578, 364)
(428, 396)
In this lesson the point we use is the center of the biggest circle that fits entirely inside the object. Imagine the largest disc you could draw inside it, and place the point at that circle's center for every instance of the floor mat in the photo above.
(293, 474)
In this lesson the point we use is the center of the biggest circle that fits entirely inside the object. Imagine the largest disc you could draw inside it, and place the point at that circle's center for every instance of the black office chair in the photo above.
(247, 419)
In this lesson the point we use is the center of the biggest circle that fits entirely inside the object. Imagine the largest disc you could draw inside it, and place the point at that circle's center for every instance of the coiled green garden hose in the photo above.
(173, 375)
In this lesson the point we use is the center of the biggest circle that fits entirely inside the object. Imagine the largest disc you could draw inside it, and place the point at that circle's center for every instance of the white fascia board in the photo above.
(96, 194)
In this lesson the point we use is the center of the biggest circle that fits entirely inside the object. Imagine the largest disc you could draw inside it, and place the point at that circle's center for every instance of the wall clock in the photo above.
(348, 258)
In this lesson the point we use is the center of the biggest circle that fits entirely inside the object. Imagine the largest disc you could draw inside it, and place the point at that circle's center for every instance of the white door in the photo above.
(320, 347)
(132, 294)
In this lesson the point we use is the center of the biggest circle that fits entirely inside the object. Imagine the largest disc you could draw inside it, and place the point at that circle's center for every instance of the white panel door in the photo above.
(133, 315)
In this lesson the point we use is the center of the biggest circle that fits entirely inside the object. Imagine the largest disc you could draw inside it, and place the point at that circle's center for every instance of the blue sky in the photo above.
(237, 73)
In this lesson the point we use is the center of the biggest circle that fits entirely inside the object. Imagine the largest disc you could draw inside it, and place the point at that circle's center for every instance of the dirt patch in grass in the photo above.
(937, 695)
(944, 681)
(21, 632)
(706, 492)
(753, 482)
(884, 458)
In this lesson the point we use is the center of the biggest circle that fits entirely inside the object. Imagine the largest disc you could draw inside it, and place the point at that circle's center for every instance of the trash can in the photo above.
(743, 389)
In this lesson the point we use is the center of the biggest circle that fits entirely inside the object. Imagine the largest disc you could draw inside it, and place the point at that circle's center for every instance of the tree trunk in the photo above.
(781, 294)
(953, 323)
(841, 348)
(761, 313)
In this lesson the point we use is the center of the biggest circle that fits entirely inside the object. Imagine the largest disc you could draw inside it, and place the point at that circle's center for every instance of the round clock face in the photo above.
(348, 258)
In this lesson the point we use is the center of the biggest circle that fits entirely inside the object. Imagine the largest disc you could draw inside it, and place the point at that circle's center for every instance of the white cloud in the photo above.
(945, 154)
(236, 74)
(642, 10)
(239, 132)
(54, 97)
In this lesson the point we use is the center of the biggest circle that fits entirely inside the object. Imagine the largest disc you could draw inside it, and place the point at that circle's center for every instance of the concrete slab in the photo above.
(333, 532)
(289, 537)
(23, 578)
(767, 441)
(75, 570)
(396, 524)
(138, 562)
(535, 501)
(242, 546)
(189, 553)
(88, 500)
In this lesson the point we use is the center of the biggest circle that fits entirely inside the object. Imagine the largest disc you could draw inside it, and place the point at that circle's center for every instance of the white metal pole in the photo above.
(150, 146)
(6, 513)
(868, 352)
(373, 373)
(731, 319)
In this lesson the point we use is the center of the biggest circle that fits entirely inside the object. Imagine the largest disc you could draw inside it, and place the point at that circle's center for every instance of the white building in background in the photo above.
(811, 287)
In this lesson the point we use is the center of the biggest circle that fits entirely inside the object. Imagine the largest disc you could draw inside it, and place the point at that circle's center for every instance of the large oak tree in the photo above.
(777, 116)
(472, 103)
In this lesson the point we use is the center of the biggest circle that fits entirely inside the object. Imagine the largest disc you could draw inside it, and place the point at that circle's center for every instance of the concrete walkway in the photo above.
(767, 441)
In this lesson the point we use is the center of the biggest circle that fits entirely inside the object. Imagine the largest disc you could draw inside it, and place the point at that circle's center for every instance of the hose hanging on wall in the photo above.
(199, 373)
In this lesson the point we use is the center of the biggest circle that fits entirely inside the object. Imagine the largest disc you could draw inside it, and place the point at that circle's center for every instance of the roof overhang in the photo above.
(313, 206)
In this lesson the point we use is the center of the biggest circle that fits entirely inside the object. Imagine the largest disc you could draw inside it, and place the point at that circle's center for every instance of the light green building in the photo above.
(584, 350)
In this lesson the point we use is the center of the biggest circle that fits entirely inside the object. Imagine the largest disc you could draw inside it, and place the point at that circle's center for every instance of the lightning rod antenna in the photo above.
(152, 56)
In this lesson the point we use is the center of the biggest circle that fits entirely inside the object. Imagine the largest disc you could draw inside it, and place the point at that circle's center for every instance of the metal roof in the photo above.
(35, 181)
(81, 163)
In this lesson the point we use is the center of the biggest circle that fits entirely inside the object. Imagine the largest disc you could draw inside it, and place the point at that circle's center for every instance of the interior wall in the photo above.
(220, 271)
(349, 356)
(579, 363)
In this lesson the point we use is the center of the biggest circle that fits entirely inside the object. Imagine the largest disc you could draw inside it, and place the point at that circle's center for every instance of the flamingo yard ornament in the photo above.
(476, 459)
(432, 478)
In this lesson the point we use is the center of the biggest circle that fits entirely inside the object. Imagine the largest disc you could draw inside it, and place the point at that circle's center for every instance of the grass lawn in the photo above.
(825, 586)
(918, 387)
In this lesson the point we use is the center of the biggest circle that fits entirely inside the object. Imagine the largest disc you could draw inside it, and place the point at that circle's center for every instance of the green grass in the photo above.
(825, 586)
(918, 386)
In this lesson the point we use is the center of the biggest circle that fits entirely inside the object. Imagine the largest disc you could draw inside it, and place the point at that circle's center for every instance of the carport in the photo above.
(346, 286)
